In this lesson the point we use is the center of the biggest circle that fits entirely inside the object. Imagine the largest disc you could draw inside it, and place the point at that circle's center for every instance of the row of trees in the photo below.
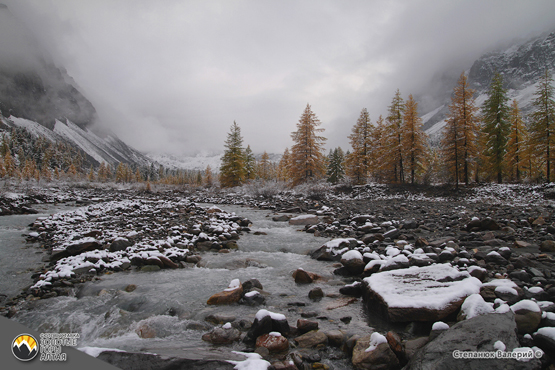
(497, 144)
(493, 143)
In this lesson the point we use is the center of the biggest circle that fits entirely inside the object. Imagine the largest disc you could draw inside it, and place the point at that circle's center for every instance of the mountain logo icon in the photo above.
(25, 347)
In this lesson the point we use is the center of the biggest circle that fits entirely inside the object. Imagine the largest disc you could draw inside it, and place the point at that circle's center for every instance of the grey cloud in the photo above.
(174, 75)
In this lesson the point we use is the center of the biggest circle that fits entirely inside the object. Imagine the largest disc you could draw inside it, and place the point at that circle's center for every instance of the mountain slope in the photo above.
(37, 95)
(521, 66)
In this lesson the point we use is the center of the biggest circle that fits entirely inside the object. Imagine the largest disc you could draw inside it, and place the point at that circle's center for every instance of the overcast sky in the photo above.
(172, 76)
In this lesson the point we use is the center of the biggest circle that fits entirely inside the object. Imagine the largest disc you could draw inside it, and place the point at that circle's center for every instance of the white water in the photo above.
(107, 316)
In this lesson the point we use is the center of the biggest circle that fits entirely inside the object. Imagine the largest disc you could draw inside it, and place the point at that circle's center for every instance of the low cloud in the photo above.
(172, 76)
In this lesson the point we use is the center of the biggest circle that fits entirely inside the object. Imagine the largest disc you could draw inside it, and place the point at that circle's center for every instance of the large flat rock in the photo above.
(478, 334)
(428, 293)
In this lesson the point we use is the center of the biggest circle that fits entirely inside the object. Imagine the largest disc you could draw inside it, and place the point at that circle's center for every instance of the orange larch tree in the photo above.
(307, 158)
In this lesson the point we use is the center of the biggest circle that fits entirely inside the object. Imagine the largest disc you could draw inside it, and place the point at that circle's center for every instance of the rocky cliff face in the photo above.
(41, 97)
(521, 66)
(31, 86)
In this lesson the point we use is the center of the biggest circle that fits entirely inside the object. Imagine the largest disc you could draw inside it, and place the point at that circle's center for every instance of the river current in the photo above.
(172, 303)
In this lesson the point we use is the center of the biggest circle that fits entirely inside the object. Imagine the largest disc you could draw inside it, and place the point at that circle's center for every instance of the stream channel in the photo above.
(173, 302)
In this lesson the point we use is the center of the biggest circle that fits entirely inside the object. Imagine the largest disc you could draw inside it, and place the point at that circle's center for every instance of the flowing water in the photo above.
(17, 258)
(172, 303)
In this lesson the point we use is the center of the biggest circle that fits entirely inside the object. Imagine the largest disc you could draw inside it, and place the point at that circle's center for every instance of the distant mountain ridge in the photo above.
(521, 65)
(43, 98)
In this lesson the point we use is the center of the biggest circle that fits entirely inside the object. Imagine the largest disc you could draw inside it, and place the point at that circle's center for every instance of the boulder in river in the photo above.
(230, 295)
(428, 293)
(304, 220)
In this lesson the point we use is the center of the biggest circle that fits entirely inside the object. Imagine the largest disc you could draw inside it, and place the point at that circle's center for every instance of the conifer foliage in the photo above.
(336, 165)
(542, 125)
(394, 138)
(516, 157)
(458, 144)
(359, 160)
(414, 140)
(307, 159)
(232, 170)
(495, 117)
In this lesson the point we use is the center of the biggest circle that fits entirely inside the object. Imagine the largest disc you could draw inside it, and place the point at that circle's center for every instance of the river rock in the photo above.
(252, 298)
(304, 326)
(304, 277)
(168, 262)
(353, 290)
(413, 345)
(132, 361)
(281, 218)
(120, 244)
(545, 339)
(220, 318)
(316, 294)
(476, 334)
(222, 335)
(527, 316)
(547, 246)
(304, 220)
(231, 295)
(380, 358)
(266, 322)
(353, 262)
(311, 339)
(273, 341)
(419, 293)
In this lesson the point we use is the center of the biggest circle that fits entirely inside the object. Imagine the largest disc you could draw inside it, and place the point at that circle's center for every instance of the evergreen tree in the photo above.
(495, 117)
(516, 146)
(232, 170)
(380, 151)
(395, 153)
(336, 165)
(284, 166)
(264, 167)
(414, 139)
(250, 164)
(359, 161)
(458, 144)
(542, 125)
(307, 158)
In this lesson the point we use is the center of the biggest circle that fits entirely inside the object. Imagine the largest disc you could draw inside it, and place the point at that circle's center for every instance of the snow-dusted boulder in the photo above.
(304, 220)
(428, 293)
(230, 295)
(479, 333)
